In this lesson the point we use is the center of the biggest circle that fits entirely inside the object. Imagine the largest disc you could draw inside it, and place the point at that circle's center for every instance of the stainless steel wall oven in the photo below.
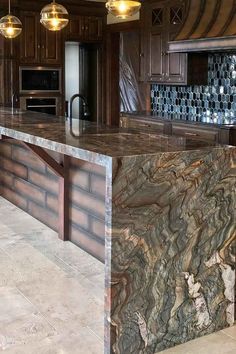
(39, 79)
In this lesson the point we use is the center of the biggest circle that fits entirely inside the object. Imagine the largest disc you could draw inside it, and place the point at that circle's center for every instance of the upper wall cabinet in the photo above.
(161, 21)
(38, 45)
(85, 28)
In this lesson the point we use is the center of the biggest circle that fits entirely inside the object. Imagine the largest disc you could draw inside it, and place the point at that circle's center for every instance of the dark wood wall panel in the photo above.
(28, 183)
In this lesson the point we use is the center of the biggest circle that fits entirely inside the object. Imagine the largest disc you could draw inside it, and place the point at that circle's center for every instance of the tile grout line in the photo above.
(228, 335)
(95, 334)
(41, 314)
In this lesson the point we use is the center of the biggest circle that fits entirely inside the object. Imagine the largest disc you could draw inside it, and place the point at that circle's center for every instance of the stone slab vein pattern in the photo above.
(172, 249)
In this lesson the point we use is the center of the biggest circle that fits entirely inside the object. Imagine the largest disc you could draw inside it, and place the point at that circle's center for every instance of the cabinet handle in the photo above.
(38, 46)
(86, 28)
(191, 134)
(82, 28)
(141, 55)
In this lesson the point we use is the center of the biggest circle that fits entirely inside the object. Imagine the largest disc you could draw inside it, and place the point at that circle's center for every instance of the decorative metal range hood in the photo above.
(210, 25)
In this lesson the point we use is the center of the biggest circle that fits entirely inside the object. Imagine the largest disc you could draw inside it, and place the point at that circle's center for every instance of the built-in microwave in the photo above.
(39, 79)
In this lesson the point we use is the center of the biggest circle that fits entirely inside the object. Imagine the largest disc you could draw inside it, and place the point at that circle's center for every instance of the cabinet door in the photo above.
(51, 47)
(87, 28)
(175, 63)
(75, 28)
(154, 27)
(95, 28)
(156, 63)
(29, 39)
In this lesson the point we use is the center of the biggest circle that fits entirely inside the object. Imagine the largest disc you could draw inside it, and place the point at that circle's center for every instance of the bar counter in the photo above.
(170, 211)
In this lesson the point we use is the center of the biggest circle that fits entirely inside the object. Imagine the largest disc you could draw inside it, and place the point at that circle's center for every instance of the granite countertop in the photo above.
(87, 140)
(214, 120)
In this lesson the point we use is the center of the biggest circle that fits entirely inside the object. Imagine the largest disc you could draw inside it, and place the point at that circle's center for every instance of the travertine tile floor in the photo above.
(51, 292)
(51, 295)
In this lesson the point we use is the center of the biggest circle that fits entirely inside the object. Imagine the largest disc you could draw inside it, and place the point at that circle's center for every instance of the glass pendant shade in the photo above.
(10, 26)
(54, 16)
(123, 8)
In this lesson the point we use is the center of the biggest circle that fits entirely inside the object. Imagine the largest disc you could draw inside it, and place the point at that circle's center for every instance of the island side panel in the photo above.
(171, 249)
(28, 183)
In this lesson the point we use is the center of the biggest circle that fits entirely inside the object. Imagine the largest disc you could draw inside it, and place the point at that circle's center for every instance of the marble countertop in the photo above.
(87, 140)
(215, 120)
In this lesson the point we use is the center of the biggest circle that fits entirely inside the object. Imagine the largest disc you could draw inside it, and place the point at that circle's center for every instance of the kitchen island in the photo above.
(170, 211)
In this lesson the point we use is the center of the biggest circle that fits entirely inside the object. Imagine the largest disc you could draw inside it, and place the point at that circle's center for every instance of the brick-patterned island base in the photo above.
(29, 183)
(169, 205)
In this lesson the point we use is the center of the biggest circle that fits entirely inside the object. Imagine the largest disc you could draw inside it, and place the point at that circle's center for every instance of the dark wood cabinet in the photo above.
(38, 45)
(51, 47)
(143, 124)
(161, 21)
(220, 134)
(29, 38)
(85, 28)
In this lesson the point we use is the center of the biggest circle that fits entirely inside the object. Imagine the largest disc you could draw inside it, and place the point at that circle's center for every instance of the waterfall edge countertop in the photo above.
(88, 140)
(170, 208)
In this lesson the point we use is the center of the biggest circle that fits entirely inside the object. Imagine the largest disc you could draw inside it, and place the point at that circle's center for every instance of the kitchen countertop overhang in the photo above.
(88, 140)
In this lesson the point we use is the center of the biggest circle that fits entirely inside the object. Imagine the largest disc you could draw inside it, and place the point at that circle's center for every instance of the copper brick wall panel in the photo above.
(28, 183)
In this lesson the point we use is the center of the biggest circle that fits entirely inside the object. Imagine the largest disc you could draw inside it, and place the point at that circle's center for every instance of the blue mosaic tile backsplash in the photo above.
(218, 98)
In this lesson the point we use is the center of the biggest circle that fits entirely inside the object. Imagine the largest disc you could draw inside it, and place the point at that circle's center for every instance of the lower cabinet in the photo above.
(126, 122)
(221, 134)
(210, 134)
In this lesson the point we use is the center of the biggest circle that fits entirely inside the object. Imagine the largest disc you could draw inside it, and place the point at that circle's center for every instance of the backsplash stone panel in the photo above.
(218, 98)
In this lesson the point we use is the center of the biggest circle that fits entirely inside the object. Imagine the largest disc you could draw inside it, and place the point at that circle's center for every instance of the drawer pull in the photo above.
(191, 134)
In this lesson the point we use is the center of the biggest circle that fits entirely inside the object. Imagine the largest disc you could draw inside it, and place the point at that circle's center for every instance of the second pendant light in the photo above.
(54, 16)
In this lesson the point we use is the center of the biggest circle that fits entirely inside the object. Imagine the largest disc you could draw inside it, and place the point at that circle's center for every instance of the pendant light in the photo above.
(54, 16)
(10, 26)
(123, 8)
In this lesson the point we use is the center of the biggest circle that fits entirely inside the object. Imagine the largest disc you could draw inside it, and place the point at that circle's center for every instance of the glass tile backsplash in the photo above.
(217, 98)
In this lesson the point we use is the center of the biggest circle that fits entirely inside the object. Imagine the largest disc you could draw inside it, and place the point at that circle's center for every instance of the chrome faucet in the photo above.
(85, 105)
(14, 98)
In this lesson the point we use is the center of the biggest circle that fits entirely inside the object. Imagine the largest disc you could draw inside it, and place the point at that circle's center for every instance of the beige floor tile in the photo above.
(97, 327)
(20, 321)
(231, 331)
(9, 274)
(83, 342)
(51, 293)
(63, 301)
(216, 343)
(28, 263)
